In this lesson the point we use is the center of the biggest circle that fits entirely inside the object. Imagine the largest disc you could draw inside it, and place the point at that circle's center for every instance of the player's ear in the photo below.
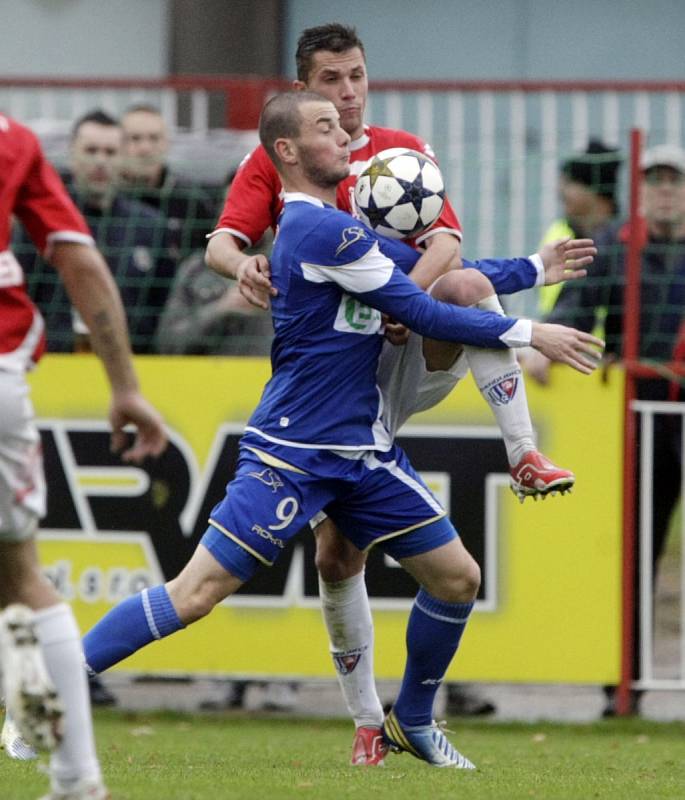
(299, 86)
(285, 150)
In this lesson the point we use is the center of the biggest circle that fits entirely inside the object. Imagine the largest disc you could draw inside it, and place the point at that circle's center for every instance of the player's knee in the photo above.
(461, 583)
(194, 602)
(336, 557)
(464, 287)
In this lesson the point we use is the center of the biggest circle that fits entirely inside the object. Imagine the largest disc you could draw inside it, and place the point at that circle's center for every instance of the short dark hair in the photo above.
(334, 37)
(281, 118)
(98, 116)
(597, 168)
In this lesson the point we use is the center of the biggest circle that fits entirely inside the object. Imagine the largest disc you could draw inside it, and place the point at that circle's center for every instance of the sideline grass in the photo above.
(195, 757)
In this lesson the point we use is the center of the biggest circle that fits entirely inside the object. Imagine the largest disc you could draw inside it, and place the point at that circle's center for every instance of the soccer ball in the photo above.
(400, 193)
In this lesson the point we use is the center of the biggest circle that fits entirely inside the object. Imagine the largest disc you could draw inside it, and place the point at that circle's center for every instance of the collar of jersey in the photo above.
(301, 197)
(362, 141)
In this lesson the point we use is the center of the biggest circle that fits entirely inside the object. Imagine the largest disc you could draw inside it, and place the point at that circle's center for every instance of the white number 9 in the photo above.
(285, 511)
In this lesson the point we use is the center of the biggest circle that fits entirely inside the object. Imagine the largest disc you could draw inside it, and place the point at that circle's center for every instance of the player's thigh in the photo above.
(463, 287)
(389, 499)
(408, 386)
(447, 572)
(22, 484)
(265, 507)
(336, 557)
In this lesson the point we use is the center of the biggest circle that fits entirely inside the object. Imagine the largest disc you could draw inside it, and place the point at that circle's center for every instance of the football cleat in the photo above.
(369, 748)
(13, 744)
(426, 742)
(30, 696)
(87, 789)
(536, 476)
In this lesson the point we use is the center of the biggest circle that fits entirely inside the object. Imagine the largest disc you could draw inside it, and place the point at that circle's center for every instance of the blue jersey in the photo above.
(334, 277)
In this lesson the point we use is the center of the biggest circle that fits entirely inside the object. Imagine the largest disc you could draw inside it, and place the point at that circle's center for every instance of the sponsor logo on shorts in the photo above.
(346, 662)
(269, 478)
(267, 535)
(503, 391)
(349, 237)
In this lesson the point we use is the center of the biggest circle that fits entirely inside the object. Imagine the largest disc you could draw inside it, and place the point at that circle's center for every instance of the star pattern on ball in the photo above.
(414, 192)
(378, 168)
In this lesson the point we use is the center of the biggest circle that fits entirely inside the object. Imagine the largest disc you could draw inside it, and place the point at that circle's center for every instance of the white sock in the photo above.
(347, 614)
(75, 758)
(498, 376)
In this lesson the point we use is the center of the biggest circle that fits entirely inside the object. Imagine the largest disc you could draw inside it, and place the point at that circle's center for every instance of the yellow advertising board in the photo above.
(549, 609)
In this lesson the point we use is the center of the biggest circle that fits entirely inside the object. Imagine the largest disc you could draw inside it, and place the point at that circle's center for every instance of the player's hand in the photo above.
(254, 280)
(395, 332)
(577, 349)
(566, 259)
(150, 435)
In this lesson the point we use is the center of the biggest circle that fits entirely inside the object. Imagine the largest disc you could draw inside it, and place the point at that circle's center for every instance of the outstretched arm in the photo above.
(93, 292)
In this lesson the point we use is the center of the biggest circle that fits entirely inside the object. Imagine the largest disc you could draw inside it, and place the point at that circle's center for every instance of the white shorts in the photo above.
(406, 384)
(22, 483)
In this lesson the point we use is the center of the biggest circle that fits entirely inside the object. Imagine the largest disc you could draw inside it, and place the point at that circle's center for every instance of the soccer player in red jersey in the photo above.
(44, 682)
(331, 61)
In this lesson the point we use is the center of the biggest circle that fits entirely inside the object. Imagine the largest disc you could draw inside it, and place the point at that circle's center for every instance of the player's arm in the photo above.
(250, 209)
(93, 292)
(561, 260)
(225, 256)
(404, 301)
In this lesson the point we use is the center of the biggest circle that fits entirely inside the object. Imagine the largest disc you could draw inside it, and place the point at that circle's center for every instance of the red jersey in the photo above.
(255, 199)
(31, 190)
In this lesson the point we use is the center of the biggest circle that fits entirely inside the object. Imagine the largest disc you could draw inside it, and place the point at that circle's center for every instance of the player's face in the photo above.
(342, 79)
(96, 158)
(322, 145)
(578, 200)
(145, 145)
(664, 196)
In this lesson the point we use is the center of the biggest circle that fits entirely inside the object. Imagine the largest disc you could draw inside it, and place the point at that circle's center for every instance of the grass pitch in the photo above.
(171, 756)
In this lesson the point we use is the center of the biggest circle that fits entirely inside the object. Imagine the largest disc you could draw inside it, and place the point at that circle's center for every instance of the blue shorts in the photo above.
(375, 499)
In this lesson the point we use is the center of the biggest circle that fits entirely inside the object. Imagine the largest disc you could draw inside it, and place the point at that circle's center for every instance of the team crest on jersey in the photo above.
(269, 478)
(346, 662)
(503, 391)
(355, 317)
(350, 236)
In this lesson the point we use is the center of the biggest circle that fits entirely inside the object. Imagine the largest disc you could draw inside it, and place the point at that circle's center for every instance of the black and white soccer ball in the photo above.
(400, 193)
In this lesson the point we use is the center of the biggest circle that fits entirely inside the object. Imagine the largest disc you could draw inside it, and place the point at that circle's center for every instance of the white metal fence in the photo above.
(499, 145)
(670, 673)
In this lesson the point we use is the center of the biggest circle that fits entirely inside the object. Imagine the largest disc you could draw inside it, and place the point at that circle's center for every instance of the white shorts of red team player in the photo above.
(22, 482)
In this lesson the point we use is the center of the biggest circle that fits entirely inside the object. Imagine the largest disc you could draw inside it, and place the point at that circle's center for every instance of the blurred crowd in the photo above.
(150, 224)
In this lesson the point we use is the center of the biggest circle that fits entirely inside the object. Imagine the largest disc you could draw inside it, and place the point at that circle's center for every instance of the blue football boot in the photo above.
(427, 742)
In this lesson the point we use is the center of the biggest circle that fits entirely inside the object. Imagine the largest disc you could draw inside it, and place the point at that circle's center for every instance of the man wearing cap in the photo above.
(587, 189)
(662, 316)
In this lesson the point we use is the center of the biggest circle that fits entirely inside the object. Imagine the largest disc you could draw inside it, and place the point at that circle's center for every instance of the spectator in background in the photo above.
(662, 335)
(187, 206)
(133, 237)
(206, 314)
(587, 187)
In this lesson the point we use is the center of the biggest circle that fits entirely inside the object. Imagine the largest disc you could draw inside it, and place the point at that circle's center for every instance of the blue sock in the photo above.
(433, 635)
(130, 625)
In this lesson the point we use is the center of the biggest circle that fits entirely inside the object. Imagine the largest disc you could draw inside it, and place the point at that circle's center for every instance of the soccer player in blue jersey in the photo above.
(331, 61)
(316, 443)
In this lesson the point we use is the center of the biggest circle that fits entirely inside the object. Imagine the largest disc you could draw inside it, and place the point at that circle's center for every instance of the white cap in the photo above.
(663, 155)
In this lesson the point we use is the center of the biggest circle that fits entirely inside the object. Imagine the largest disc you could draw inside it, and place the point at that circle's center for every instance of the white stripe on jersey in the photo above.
(373, 463)
(370, 272)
